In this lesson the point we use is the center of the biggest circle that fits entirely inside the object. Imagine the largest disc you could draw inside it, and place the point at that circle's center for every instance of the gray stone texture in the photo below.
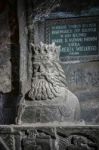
(49, 138)
(48, 99)
(83, 80)
(5, 56)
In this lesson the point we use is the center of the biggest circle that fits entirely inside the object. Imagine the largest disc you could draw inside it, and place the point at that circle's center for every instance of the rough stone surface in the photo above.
(9, 62)
(48, 100)
(58, 110)
(5, 64)
(83, 80)
(49, 138)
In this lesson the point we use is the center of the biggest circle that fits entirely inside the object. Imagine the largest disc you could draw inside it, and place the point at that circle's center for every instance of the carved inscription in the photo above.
(6, 142)
(5, 65)
(45, 138)
(77, 38)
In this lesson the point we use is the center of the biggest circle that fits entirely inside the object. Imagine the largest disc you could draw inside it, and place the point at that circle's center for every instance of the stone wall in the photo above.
(9, 61)
(5, 53)
(83, 80)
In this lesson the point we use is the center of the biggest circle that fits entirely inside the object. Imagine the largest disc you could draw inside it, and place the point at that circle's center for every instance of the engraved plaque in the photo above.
(77, 36)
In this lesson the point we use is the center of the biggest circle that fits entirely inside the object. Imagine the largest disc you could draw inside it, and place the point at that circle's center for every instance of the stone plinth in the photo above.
(61, 109)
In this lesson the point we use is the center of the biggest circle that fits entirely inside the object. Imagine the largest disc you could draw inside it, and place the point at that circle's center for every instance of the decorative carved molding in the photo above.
(7, 142)
(49, 138)
(37, 140)
(77, 142)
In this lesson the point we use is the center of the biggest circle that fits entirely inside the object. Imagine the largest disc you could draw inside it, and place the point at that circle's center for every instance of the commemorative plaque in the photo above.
(76, 36)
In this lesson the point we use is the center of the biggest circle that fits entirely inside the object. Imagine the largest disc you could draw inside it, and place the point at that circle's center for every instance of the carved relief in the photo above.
(49, 138)
(48, 79)
(77, 142)
(7, 142)
(36, 140)
(43, 139)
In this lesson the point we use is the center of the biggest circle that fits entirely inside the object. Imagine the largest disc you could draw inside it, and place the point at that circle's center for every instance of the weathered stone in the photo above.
(6, 138)
(83, 80)
(47, 111)
(48, 100)
(5, 65)
(49, 138)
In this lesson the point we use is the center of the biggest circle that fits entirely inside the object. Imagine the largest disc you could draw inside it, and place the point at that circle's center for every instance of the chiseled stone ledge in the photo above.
(49, 137)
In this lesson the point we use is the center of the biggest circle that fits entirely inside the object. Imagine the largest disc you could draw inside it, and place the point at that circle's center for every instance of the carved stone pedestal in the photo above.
(59, 110)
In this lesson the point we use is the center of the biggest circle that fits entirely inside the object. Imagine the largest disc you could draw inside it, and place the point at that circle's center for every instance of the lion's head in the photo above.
(48, 78)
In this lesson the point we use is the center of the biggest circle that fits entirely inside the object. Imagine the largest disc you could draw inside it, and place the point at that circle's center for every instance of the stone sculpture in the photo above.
(49, 99)
(48, 80)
